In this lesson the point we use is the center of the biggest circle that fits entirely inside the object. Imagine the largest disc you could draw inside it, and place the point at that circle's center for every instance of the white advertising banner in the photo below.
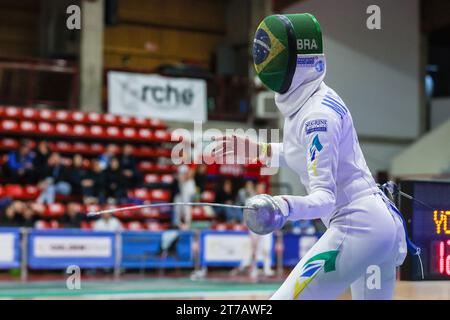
(80, 247)
(155, 96)
(7, 248)
(230, 247)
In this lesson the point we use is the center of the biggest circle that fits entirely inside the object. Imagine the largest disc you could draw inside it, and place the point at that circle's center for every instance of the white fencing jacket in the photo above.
(321, 145)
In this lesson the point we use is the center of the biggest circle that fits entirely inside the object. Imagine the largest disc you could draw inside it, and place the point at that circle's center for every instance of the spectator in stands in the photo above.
(106, 157)
(225, 195)
(54, 180)
(246, 192)
(30, 215)
(261, 247)
(187, 192)
(201, 177)
(115, 182)
(128, 165)
(12, 214)
(107, 222)
(20, 163)
(94, 185)
(77, 174)
(41, 158)
(72, 217)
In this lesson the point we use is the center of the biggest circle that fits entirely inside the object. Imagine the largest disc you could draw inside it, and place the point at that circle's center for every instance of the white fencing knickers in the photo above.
(361, 249)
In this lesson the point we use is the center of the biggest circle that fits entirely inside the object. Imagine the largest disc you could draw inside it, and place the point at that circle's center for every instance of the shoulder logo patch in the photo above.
(316, 125)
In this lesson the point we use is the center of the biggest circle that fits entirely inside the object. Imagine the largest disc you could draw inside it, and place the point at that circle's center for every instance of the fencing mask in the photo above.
(278, 40)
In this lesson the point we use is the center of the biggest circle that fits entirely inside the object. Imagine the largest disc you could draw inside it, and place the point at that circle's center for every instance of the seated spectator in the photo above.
(115, 181)
(246, 192)
(94, 185)
(107, 222)
(77, 174)
(187, 192)
(19, 165)
(41, 158)
(54, 179)
(225, 195)
(11, 216)
(128, 165)
(105, 158)
(201, 177)
(72, 217)
(29, 217)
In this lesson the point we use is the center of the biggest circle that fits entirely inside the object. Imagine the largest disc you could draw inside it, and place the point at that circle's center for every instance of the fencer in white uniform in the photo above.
(364, 241)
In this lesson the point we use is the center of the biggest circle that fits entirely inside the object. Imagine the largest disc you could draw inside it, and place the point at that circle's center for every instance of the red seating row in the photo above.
(143, 166)
(89, 225)
(65, 116)
(25, 127)
(8, 144)
(57, 210)
(31, 192)
(227, 226)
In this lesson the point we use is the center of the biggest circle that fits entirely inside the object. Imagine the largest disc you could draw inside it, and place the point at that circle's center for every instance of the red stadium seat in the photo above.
(12, 112)
(55, 210)
(94, 117)
(30, 114)
(63, 129)
(110, 119)
(31, 192)
(219, 227)
(62, 146)
(238, 227)
(9, 126)
(62, 115)
(129, 133)
(96, 148)
(97, 131)
(81, 147)
(14, 191)
(78, 117)
(208, 196)
(142, 194)
(154, 226)
(47, 115)
(159, 195)
(9, 144)
(41, 224)
(145, 134)
(46, 128)
(80, 130)
(113, 132)
(53, 224)
(134, 226)
(87, 225)
(151, 178)
(167, 178)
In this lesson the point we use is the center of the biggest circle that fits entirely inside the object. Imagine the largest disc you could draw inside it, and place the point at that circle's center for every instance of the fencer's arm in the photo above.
(322, 159)
(273, 155)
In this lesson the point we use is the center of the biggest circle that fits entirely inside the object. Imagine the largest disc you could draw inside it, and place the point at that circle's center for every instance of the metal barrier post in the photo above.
(196, 248)
(24, 254)
(118, 254)
(280, 249)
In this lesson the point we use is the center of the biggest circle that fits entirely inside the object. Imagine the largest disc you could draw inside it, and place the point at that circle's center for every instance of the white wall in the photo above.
(376, 72)
(440, 111)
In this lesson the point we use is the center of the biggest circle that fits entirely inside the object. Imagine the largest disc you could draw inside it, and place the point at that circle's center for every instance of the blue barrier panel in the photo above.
(147, 249)
(9, 248)
(295, 246)
(58, 249)
(229, 248)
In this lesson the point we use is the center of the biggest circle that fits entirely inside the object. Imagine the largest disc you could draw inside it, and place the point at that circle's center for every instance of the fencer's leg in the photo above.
(316, 276)
(377, 283)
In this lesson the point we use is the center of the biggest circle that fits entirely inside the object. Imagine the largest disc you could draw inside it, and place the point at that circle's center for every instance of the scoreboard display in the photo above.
(428, 227)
